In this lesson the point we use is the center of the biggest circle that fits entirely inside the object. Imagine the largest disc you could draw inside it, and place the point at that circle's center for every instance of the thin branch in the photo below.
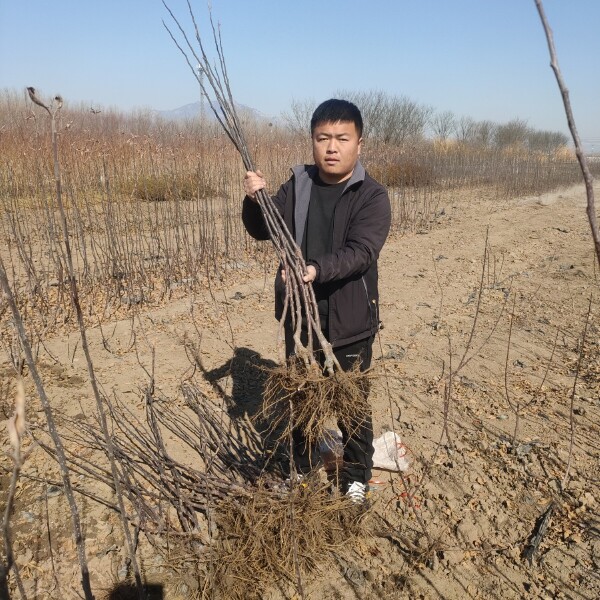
(302, 294)
(587, 175)
(84, 344)
(60, 452)
(16, 428)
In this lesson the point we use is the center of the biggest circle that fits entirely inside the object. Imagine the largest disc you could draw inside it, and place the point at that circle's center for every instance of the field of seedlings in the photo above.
(137, 336)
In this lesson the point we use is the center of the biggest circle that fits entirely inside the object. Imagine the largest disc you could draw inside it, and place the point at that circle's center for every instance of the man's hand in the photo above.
(310, 275)
(254, 182)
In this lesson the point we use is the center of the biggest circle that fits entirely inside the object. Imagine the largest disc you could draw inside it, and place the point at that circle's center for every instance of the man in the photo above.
(340, 218)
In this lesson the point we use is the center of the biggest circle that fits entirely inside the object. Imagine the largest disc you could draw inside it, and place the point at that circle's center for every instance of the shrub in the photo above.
(402, 174)
(160, 188)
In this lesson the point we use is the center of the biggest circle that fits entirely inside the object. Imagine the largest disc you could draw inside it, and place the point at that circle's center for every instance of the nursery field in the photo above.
(137, 343)
(487, 367)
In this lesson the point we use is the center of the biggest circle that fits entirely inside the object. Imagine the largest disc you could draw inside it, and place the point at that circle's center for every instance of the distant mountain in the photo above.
(193, 111)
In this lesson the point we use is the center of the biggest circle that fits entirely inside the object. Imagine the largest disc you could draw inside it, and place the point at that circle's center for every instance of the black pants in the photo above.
(358, 442)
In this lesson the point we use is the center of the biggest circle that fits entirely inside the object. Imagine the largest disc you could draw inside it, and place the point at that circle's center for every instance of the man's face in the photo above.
(336, 147)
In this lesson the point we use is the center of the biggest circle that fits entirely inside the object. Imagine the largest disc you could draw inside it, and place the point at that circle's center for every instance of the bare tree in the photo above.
(443, 125)
(390, 119)
(546, 141)
(513, 133)
(371, 104)
(299, 116)
(465, 129)
(484, 133)
(403, 119)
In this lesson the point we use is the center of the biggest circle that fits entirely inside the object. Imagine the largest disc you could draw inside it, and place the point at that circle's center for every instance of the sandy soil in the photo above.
(510, 318)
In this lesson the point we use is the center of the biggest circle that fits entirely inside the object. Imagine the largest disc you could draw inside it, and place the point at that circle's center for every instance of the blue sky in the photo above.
(486, 59)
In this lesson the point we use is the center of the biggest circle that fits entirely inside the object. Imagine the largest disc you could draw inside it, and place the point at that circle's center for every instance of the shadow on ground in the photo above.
(128, 591)
(240, 382)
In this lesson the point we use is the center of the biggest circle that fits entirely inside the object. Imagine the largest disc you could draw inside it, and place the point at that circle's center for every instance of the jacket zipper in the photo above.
(369, 304)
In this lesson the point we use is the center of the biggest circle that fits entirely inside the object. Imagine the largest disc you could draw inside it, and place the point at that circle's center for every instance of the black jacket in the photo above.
(361, 224)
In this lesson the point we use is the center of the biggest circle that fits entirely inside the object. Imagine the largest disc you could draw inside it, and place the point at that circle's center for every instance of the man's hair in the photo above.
(334, 110)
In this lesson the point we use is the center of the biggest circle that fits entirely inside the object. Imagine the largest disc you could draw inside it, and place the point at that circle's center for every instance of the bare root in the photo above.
(302, 397)
(262, 534)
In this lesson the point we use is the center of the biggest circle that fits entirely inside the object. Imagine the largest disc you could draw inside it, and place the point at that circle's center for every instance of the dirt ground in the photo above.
(507, 317)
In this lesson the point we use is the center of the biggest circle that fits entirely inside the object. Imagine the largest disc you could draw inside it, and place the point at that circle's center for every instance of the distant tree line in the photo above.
(398, 119)
(514, 133)
(389, 119)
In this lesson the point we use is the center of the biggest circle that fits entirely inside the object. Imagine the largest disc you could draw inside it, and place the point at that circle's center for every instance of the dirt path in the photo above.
(479, 495)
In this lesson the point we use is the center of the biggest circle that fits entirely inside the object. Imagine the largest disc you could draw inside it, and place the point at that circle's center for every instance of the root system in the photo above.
(275, 538)
(301, 397)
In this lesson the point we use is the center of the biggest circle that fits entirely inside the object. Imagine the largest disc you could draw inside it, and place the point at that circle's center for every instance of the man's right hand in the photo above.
(254, 181)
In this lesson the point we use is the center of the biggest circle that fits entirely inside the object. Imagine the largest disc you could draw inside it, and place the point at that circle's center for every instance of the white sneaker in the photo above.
(357, 492)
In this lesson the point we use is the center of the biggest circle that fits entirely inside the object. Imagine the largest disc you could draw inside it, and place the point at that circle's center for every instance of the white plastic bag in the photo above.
(389, 455)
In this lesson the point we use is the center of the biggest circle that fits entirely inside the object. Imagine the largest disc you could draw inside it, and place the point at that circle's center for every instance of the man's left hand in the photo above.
(310, 275)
